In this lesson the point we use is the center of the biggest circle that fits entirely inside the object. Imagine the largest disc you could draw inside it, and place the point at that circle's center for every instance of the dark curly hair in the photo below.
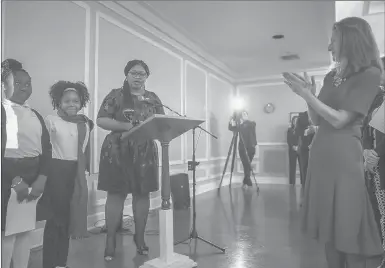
(57, 90)
(133, 63)
(10, 66)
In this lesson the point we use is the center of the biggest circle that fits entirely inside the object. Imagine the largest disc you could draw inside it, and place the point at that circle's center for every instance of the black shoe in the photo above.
(247, 181)
(109, 252)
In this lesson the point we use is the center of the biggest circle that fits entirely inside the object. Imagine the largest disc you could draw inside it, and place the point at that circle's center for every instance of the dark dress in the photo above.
(128, 167)
(336, 206)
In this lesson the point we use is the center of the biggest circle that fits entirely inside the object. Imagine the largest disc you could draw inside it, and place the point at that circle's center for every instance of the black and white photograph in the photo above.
(182, 134)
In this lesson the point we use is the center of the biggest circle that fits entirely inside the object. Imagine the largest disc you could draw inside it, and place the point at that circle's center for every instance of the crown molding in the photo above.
(141, 15)
(273, 80)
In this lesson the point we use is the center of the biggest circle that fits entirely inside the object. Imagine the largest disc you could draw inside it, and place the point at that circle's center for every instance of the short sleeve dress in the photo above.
(336, 206)
(128, 167)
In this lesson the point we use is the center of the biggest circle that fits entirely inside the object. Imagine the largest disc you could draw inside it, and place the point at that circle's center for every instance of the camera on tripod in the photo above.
(237, 116)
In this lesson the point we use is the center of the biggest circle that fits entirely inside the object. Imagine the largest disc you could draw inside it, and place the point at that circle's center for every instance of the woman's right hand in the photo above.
(21, 189)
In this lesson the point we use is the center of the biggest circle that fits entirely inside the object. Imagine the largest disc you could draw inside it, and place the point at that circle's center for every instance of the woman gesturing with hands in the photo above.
(336, 207)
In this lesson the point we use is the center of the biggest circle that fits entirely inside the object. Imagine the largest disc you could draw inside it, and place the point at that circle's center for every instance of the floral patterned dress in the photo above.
(128, 166)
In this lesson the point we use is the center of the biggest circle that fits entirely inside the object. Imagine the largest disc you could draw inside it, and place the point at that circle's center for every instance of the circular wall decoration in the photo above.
(269, 108)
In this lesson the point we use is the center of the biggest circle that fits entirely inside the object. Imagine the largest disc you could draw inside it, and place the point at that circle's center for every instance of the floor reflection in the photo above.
(258, 230)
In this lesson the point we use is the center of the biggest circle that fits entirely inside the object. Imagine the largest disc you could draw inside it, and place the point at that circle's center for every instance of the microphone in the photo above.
(156, 103)
(148, 101)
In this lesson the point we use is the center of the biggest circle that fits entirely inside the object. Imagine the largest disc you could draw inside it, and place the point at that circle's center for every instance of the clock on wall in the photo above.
(269, 108)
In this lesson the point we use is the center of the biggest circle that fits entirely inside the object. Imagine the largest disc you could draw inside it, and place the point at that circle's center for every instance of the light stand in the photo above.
(192, 167)
(233, 150)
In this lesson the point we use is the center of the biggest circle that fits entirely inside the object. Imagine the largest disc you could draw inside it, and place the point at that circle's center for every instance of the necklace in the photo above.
(337, 80)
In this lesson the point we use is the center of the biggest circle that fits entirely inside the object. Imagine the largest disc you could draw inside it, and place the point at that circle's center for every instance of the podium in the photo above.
(165, 129)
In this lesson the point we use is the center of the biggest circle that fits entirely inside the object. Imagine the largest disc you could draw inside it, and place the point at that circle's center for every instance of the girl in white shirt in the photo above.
(26, 155)
(66, 190)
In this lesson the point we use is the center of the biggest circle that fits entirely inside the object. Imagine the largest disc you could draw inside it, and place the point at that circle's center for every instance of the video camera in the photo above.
(237, 116)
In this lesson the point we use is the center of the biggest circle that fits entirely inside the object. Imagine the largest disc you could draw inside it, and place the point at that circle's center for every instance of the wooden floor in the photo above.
(258, 231)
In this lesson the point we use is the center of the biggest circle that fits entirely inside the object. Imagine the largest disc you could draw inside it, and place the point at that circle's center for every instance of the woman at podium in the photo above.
(128, 167)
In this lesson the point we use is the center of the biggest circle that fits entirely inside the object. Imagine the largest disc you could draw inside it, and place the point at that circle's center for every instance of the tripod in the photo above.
(192, 166)
(233, 150)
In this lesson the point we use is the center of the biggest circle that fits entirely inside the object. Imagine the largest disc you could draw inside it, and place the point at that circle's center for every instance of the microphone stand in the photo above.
(192, 167)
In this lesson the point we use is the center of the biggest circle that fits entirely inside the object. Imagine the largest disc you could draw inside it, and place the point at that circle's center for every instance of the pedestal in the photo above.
(168, 259)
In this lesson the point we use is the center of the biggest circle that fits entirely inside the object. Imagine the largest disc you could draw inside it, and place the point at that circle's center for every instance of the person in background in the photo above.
(66, 192)
(305, 132)
(128, 166)
(292, 143)
(336, 207)
(27, 157)
(247, 142)
(374, 156)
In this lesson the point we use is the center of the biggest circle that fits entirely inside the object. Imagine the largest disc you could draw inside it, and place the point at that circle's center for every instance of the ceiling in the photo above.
(238, 34)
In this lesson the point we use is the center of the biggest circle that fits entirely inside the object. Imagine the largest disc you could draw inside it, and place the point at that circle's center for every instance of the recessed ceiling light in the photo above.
(278, 36)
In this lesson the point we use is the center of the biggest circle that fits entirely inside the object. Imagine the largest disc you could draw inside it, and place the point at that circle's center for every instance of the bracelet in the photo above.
(14, 185)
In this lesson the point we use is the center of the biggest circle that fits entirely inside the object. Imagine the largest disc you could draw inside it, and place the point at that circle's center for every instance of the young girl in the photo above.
(26, 153)
(66, 190)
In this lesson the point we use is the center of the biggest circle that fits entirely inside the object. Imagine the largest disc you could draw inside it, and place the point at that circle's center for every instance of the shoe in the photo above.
(109, 252)
(247, 182)
(142, 250)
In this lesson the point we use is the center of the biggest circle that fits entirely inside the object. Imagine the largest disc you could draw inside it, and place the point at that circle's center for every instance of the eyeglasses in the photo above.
(138, 75)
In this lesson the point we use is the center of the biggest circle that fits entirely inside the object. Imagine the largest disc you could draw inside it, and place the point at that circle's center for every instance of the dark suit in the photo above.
(303, 144)
(246, 146)
(292, 140)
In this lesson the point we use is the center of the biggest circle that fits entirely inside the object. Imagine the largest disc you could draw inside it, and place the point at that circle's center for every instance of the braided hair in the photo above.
(10, 66)
(57, 91)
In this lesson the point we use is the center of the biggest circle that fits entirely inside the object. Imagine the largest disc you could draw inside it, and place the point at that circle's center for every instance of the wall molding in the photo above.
(142, 17)
(117, 23)
(191, 64)
(96, 88)
(183, 108)
(275, 80)
(130, 30)
(87, 48)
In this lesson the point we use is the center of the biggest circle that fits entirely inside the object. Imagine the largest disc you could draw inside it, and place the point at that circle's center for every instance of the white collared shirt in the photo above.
(64, 138)
(24, 131)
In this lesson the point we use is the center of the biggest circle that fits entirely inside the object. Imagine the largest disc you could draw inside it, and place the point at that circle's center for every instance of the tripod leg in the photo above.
(227, 161)
(234, 156)
(249, 161)
(211, 244)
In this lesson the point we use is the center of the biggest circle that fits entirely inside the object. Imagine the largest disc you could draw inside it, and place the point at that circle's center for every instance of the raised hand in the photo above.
(300, 85)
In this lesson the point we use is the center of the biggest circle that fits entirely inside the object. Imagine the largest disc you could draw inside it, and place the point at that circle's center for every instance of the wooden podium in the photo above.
(165, 129)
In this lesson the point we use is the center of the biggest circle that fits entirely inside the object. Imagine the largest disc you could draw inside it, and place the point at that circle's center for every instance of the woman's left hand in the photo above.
(303, 86)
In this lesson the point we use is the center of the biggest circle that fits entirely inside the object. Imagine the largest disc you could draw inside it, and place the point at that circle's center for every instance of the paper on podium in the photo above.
(21, 217)
(162, 127)
(378, 120)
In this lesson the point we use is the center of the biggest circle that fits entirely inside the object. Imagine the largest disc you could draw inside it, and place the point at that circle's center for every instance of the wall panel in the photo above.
(195, 87)
(49, 52)
(116, 46)
(220, 95)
